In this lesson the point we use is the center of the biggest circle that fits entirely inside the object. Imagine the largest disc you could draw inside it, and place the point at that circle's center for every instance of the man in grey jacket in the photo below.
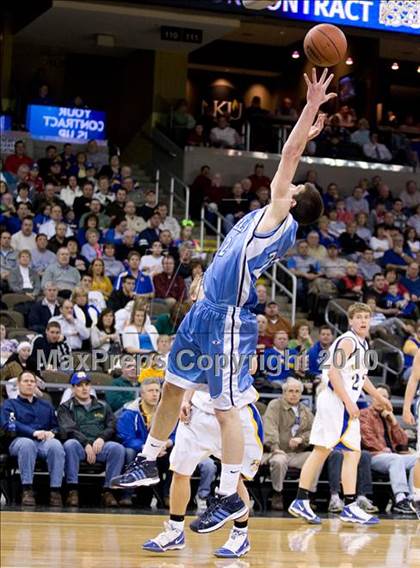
(64, 276)
(287, 425)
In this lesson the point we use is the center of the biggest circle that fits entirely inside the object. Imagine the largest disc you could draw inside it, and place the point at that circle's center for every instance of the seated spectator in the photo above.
(410, 348)
(92, 250)
(128, 244)
(103, 191)
(25, 239)
(41, 256)
(342, 213)
(24, 279)
(262, 298)
(167, 324)
(381, 325)
(315, 249)
(68, 194)
(414, 221)
(19, 157)
(127, 378)
(133, 426)
(113, 267)
(152, 263)
(140, 336)
(151, 234)
(364, 482)
(35, 181)
(347, 116)
(168, 247)
(351, 244)
(84, 311)
(74, 331)
(331, 196)
(186, 237)
(197, 136)
(376, 151)
(181, 118)
(87, 221)
(367, 267)
(336, 227)
(410, 195)
(258, 179)
(8, 258)
(223, 135)
(7, 346)
(275, 322)
(361, 136)
(411, 240)
(96, 154)
(186, 263)
(305, 268)
(49, 228)
(149, 206)
(96, 299)
(120, 298)
(167, 222)
(134, 222)
(164, 344)
(411, 281)
(397, 257)
(41, 311)
(286, 109)
(333, 266)
(143, 285)
(333, 137)
(287, 426)
(317, 353)
(325, 237)
(18, 362)
(400, 219)
(103, 335)
(381, 241)
(81, 204)
(35, 424)
(115, 233)
(362, 229)
(100, 282)
(388, 444)
(264, 341)
(22, 194)
(233, 208)
(378, 291)
(279, 360)
(168, 285)
(76, 259)
(51, 350)
(357, 203)
(64, 276)
(394, 299)
(88, 425)
(352, 285)
(58, 240)
(301, 337)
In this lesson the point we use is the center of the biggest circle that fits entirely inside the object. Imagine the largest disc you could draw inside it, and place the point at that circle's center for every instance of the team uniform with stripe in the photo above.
(221, 327)
(201, 437)
(331, 427)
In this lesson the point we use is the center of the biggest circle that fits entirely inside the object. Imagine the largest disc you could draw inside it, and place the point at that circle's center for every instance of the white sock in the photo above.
(400, 497)
(416, 491)
(229, 478)
(152, 447)
(178, 525)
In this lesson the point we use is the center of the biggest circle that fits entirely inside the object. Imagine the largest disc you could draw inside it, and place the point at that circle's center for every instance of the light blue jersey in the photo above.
(244, 255)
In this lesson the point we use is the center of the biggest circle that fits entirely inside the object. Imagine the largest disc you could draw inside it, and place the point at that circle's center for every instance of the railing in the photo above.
(283, 131)
(175, 196)
(275, 283)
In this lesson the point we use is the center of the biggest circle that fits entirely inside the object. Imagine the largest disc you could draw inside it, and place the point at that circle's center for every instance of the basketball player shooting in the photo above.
(222, 327)
(336, 424)
(410, 393)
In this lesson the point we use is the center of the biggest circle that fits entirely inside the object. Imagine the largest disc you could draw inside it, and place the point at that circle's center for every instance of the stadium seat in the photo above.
(55, 377)
(11, 300)
(11, 319)
(101, 379)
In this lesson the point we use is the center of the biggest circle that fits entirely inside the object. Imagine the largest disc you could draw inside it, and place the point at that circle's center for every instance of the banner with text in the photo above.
(64, 123)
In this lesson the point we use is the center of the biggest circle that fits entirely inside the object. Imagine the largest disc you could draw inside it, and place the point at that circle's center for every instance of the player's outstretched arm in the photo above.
(410, 391)
(304, 130)
(370, 389)
(334, 374)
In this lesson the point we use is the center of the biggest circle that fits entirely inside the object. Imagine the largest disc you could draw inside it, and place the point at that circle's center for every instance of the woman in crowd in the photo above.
(112, 170)
(302, 340)
(139, 336)
(380, 242)
(325, 237)
(18, 362)
(363, 230)
(72, 328)
(103, 334)
(90, 221)
(411, 240)
(24, 279)
(83, 311)
(7, 346)
(100, 282)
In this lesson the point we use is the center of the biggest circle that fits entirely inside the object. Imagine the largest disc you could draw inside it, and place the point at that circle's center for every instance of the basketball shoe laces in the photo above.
(234, 534)
(213, 503)
(134, 464)
(167, 536)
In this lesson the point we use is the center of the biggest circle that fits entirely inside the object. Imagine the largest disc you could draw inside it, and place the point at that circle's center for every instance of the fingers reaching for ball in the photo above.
(317, 88)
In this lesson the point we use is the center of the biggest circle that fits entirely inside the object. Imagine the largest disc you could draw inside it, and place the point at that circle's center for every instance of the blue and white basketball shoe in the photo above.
(236, 546)
(169, 539)
(220, 510)
(301, 508)
(354, 514)
(140, 472)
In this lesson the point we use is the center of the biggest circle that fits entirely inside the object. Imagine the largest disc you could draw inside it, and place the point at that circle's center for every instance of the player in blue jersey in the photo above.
(215, 343)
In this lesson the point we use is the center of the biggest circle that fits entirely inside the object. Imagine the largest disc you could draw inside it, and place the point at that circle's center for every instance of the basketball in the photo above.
(325, 45)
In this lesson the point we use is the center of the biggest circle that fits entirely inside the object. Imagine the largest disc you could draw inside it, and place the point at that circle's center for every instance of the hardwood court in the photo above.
(84, 540)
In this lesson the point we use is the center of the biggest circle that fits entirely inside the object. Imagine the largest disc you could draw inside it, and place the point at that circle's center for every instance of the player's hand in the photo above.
(318, 127)
(316, 94)
(385, 403)
(353, 410)
(185, 412)
(408, 417)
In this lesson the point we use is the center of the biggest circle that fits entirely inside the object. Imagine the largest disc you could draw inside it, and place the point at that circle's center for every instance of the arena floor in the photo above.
(90, 540)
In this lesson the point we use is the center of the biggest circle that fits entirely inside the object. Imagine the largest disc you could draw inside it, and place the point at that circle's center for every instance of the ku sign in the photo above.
(63, 123)
(388, 15)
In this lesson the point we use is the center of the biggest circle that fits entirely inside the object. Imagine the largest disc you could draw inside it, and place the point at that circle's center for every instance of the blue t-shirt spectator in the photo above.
(144, 284)
(279, 365)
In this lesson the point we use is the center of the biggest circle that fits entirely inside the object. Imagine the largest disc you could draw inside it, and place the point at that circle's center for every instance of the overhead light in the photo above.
(349, 61)
(418, 69)
(295, 54)
(395, 66)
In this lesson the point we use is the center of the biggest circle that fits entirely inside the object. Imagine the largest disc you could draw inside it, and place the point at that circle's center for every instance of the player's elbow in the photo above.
(291, 151)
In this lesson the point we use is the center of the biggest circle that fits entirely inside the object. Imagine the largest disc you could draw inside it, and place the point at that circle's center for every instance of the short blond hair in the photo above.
(357, 308)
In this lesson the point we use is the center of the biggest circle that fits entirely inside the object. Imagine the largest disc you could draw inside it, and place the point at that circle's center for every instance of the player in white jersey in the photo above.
(197, 437)
(336, 424)
(222, 326)
(410, 393)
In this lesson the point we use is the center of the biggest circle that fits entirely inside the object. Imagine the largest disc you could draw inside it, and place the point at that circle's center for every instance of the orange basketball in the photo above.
(325, 45)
